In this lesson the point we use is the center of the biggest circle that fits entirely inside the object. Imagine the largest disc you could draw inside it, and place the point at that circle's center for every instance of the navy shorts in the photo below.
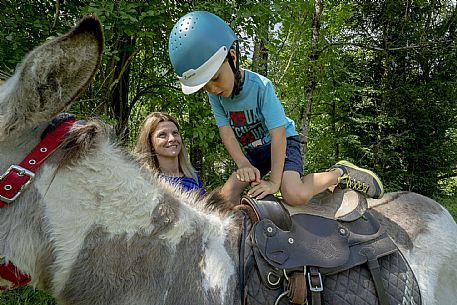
(260, 157)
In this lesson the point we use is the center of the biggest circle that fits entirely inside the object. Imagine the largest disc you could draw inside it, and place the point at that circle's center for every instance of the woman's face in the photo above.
(166, 140)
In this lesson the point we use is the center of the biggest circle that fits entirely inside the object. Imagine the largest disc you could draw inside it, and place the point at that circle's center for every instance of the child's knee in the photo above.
(293, 198)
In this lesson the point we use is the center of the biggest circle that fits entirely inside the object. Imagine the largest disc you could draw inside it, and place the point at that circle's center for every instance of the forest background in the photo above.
(373, 82)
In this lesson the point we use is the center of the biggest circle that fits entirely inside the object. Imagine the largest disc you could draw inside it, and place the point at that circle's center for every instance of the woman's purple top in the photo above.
(186, 183)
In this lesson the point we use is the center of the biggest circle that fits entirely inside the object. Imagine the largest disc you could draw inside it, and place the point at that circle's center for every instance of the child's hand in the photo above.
(248, 174)
(262, 189)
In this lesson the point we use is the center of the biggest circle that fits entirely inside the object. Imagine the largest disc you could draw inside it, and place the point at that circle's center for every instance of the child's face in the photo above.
(222, 82)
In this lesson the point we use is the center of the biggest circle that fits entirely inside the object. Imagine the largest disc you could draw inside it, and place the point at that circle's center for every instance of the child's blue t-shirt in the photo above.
(253, 112)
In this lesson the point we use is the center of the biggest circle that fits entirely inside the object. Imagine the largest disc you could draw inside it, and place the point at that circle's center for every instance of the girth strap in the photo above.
(375, 270)
(315, 285)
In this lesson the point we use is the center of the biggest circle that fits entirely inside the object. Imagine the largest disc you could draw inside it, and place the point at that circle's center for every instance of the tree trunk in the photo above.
(117, 95)
(310, 84)
(260, 58)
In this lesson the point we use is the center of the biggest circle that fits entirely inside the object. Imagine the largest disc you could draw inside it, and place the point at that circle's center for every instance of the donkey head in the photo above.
(47, 81)
(50, 78)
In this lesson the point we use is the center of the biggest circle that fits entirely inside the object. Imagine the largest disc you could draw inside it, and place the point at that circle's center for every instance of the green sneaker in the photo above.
(359, 179)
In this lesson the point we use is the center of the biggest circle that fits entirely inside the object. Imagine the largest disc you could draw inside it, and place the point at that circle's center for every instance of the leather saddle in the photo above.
(317, 237)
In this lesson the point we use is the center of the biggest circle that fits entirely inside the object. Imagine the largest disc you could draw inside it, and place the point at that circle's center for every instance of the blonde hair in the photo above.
(144, 150)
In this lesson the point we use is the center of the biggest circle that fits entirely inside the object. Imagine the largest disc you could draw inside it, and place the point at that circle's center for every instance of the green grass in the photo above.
(27, 296)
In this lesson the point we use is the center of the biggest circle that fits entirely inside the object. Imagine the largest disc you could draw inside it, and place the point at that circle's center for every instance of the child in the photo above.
(204, 53)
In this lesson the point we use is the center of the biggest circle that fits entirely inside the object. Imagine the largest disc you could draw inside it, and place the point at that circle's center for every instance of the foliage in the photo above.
(450, 203)
(399, 118)
(383, 72)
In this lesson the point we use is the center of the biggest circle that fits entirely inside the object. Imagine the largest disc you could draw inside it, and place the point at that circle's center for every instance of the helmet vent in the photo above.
(191, 32)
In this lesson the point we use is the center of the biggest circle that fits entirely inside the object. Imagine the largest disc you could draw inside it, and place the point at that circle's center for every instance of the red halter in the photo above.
(16, 179)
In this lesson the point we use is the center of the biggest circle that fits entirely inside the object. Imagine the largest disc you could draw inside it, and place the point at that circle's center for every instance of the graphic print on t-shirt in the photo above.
(247, 127)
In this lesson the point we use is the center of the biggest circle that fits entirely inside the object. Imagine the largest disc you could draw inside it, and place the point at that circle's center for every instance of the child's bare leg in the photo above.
(232, 189)
(296, 191)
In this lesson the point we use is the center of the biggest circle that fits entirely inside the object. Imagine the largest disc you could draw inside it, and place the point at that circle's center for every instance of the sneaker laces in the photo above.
(353, 183)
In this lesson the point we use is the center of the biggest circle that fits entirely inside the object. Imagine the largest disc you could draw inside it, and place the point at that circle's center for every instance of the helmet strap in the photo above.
(238, 84)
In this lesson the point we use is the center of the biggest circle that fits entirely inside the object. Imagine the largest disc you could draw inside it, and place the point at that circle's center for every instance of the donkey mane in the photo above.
(84, 137)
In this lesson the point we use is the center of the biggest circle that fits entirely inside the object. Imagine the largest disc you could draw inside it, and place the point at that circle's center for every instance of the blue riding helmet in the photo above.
(198, 45)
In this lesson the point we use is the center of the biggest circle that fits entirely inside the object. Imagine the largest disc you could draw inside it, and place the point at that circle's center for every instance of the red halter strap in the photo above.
(10, 273)
(14, 181)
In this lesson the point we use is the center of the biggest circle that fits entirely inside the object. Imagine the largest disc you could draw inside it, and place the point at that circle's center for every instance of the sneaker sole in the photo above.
(349, 164)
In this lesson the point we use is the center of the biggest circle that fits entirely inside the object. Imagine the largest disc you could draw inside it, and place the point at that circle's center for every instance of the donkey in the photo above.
(93, 228)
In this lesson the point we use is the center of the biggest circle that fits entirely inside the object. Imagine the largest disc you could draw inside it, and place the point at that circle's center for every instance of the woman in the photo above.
(159, 147)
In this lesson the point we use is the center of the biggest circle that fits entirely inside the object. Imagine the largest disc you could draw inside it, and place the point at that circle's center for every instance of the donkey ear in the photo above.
(51, 77)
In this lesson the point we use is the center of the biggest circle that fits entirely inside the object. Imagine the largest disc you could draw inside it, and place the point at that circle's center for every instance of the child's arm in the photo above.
(246, 172)
(278, 155)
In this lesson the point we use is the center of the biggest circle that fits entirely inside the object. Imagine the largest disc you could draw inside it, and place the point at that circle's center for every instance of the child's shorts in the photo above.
(260, 157)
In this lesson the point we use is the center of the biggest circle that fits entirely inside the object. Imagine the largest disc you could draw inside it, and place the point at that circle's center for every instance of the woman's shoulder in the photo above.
(187, 183)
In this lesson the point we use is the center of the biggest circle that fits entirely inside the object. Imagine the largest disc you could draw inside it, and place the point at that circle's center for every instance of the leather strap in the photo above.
(10, 273)
(14, 181)
(297, 288)
(315, 285)
(241, 266)
(375, 270)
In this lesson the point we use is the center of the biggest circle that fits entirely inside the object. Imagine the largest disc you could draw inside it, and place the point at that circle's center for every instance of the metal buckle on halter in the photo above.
(21, 172)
